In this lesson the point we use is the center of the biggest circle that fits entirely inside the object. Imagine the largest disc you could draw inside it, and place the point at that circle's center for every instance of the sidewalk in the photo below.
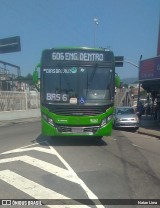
(149, 126)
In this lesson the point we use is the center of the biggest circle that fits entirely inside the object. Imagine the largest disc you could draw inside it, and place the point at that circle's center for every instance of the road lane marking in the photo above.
(40, 149)
(31, 188)
(90, 194)
(19, 148)
(68, 174)
(60, 172)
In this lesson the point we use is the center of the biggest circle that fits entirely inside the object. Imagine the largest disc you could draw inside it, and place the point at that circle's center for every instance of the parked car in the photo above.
(125, 117)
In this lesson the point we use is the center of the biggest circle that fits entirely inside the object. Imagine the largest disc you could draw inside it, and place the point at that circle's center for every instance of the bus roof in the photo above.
(77, 48)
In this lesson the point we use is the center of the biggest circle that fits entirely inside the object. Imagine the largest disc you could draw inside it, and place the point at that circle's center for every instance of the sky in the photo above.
(127, 27)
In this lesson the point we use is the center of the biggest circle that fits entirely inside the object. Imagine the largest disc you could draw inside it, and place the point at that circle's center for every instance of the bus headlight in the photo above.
(109, 118)
(48, 120)
(105, 120)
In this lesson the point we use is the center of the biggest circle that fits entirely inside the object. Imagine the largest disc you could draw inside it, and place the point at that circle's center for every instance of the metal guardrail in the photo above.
(123, 98)
(13, 100)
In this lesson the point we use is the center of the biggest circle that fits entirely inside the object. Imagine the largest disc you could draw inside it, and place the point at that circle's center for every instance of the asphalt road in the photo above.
(123, 166)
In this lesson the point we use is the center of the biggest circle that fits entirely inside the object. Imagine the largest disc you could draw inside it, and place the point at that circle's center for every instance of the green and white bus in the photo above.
(77, 87)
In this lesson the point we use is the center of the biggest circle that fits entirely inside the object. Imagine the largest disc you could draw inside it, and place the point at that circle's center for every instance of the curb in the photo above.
(148, 133)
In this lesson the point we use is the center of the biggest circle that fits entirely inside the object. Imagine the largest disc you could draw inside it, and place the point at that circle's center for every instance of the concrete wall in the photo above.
(20, 114)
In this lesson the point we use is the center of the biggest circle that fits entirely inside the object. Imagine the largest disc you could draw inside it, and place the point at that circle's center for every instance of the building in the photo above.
(149, 76)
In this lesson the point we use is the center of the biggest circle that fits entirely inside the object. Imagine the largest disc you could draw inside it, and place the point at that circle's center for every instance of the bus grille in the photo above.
(77, 110)
(79, 130)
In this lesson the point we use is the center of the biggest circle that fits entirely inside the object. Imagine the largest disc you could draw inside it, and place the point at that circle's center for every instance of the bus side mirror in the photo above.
(35, 74)
(35, 77)
(117, 81)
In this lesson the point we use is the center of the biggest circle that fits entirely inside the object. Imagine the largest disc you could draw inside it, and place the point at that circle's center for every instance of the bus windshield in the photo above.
(77, 85)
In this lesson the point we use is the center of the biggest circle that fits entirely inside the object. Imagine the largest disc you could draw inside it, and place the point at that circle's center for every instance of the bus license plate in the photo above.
(77, 130)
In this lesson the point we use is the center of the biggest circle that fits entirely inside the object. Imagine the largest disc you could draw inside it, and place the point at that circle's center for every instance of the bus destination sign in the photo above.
(78, 56)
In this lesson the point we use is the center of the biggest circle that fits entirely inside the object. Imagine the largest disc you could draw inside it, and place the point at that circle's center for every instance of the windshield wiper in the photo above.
(89, 81)
(92, 75)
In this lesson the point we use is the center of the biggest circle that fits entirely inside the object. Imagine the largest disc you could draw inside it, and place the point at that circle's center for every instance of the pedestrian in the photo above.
(140, 110)
(155, 112)
(148, 110)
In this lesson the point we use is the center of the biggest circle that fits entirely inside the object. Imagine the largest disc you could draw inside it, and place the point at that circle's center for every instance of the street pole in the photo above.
(139, 85)
(129, 62)
(95, 26)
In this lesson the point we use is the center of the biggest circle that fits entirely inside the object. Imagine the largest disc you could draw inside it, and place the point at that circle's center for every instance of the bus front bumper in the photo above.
(66, 130)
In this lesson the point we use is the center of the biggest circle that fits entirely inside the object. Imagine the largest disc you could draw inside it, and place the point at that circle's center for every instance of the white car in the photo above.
(125, 117)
